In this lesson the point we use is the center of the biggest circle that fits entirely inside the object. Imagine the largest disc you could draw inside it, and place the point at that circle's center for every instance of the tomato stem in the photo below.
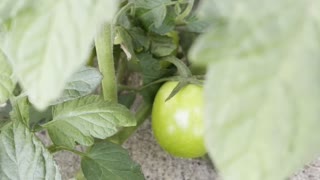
(121, 11)
(104, 49)
(185, 13)
(121, 70)
(54, 148)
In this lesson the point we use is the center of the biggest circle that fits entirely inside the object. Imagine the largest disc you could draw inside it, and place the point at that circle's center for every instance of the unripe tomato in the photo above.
(177, 124)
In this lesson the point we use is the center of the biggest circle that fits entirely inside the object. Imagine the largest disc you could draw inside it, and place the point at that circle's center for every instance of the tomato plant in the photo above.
(178, 122)
(46, 86)
(261, 101)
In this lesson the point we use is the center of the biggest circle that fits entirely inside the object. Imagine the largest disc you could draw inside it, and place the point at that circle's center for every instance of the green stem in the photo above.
(121, 71)
(182, 68)
(55, 148)
(104, 48)
(121, 11)
(197, 79)
(185, 13)
(142, 114)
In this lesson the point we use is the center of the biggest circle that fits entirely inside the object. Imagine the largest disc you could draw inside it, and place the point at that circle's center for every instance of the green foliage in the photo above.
(82, 83)
(50, 41)
(127, 99)
(262, 83)
(154, 11)
(152, 70)
(168, 23)
(23, 156)
(84, 118)
(4, 116)
(39, 117)
(44, 45)
(194, 24)
(156, 14)
(151, 4)
(139, 38)
(109, 161)
(6, 81)
(162, 46)
(9, 8)
(127, 43)
(144, 35)
(263, 87)
(20, 111)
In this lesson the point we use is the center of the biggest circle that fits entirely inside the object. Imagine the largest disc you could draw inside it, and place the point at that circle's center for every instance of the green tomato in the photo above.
(177, 124)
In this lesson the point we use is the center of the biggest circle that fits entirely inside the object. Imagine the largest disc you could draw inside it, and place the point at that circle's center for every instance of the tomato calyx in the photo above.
(183, 70)
(185, 76)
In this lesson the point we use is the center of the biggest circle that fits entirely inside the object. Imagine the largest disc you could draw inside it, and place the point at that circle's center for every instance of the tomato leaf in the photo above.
(4, 115)
(50, 41)
(262, 87)
(156, 10)
(109, 161)
(124, 21)
(151, 71)
(150, 4)
(151, 20)
(127, 44)
(156, 15)
(139, 38)
(6, 81)
(20, 110)
(151, 67)
(23, 156)
(162, 45)
(82, 83)
(196, 25)
(39, 117)
(3, 123)
(127, 99)
(84, 118)
(9, 8)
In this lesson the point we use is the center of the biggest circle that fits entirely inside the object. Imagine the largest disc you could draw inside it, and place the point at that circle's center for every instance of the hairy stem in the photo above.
(121, 71)
(185, 13)
(104, 49)
(55, 148)
(122, 11)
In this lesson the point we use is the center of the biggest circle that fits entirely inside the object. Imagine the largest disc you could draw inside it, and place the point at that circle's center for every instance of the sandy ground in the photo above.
(158, 165)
